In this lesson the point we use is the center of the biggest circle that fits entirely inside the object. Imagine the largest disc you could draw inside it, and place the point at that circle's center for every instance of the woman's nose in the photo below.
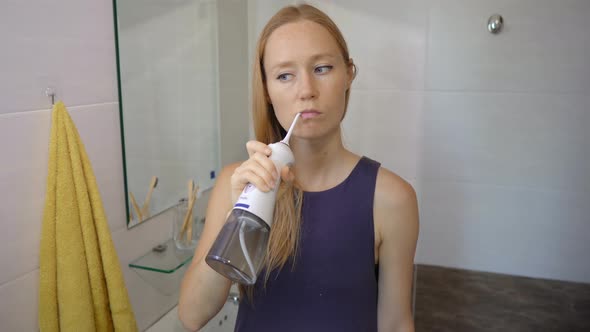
(307, 87)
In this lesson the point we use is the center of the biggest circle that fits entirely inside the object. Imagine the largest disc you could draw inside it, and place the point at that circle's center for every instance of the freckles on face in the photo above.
(305, 70)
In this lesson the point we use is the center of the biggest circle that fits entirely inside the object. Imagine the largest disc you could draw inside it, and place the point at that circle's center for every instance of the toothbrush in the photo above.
(185, 222)
(145, 208)
(136, 207)
(186, 228)
(189, 232)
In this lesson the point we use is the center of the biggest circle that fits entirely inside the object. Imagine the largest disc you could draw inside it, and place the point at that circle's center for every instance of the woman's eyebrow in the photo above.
(281, 65)
(314, 57)
(322, 55)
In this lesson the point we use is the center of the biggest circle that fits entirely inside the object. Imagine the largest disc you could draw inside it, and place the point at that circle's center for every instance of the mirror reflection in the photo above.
(168, 76)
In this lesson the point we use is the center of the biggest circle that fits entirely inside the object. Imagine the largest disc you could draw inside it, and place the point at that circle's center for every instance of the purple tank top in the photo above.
(333, 286)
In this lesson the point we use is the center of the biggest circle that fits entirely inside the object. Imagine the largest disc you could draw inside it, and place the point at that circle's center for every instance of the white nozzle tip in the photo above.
(288, 136)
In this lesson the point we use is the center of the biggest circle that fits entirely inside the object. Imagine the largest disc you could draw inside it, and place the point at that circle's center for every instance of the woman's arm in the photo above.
(396, 220)
(203, 291)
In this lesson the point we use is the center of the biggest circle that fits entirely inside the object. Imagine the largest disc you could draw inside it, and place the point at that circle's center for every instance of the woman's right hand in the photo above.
(258, 170)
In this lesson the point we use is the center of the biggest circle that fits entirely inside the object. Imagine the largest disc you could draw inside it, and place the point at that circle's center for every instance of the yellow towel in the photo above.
(81, 287)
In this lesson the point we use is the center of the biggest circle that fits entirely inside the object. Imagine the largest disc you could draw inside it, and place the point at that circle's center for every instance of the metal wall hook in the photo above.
(50, 92)
(495, 23)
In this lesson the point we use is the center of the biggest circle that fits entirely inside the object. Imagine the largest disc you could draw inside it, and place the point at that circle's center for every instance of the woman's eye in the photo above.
(284, 77)
(322, 69)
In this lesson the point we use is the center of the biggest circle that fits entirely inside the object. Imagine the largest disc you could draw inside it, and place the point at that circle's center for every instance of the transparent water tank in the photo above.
(239, 250)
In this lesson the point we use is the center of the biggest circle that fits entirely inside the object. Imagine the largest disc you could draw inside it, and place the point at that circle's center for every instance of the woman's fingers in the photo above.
(254, 146)
(287, 174)
(258, 170)
(259, 166)
(267, 164)
(247, 176)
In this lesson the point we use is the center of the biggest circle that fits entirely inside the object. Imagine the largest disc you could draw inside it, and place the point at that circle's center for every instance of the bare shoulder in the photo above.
(395, 207)
(392, 191)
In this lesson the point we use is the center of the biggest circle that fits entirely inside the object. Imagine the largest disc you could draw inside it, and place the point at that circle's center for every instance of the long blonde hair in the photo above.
(284, 236)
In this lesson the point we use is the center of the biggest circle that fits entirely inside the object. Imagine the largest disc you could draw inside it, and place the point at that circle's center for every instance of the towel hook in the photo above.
(495, 23)
(50, 92)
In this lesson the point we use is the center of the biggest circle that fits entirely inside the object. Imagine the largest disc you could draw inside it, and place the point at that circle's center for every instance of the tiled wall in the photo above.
(490, 129)
(68, 45)
(505, 156)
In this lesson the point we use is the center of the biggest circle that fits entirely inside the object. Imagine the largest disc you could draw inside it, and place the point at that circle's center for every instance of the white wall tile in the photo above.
(537, 141)
(384, 125)
(19, 303)
(544, 47)
(68, 45)
(24, 144)
(259, 12)
(505, 229)
(386, 39)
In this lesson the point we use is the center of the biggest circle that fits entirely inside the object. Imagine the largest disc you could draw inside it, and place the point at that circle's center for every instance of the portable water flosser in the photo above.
(238, 251)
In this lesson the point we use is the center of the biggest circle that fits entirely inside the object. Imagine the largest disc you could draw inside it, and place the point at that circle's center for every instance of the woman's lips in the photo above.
(309, 114)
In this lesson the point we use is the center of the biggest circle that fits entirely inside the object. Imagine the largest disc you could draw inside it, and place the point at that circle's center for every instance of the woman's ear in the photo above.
(352, 70)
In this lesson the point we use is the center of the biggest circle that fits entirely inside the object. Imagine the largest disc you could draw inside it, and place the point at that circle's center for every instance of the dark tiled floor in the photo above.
(461, 300)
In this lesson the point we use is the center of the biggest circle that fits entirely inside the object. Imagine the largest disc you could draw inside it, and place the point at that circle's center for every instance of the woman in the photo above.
(341, 250)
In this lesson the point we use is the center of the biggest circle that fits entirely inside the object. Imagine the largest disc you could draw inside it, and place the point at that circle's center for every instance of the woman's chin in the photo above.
(316, 134)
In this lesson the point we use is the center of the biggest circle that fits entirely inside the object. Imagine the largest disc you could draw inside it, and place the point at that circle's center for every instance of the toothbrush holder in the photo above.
(183, 239)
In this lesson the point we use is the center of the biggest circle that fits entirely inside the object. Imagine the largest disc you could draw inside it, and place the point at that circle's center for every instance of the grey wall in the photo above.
(233, 79)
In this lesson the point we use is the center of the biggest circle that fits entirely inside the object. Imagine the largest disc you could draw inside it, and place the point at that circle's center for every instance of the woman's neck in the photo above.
(321, 164)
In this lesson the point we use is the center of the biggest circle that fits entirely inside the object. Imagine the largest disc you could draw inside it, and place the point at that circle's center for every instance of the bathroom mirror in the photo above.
(168, 98)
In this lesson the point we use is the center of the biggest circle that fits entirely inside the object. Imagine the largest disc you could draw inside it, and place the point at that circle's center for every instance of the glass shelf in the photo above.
(166, 261)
